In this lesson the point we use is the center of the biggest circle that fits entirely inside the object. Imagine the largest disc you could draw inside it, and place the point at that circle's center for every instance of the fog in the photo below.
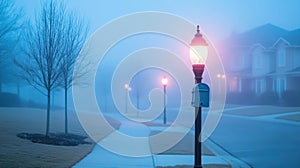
(252, 70)
(218, 20)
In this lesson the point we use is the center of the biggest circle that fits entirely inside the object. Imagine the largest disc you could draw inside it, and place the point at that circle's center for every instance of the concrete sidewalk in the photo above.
(100, 157)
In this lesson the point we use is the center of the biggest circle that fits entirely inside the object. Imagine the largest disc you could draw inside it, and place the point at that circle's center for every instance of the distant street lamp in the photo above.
(198, 56)
(220, 77)
(137, 101)
(164, 82)
(128, 89)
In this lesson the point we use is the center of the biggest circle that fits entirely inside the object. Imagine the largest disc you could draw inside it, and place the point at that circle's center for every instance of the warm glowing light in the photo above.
(221, 76)
(198, 54)
(198, 49)
(127, 87)
(164, 81)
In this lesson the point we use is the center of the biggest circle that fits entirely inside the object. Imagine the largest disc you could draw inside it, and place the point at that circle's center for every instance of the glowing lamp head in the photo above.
(164, 81)
(198, 49)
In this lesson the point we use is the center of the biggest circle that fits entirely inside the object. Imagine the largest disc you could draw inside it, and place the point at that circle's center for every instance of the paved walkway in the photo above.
(101, 157)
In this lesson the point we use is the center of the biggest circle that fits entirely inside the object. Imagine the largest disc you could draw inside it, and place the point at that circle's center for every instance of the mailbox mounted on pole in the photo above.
(201, 95)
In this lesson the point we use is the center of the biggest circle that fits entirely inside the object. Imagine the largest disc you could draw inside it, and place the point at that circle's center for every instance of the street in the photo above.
(259, 142)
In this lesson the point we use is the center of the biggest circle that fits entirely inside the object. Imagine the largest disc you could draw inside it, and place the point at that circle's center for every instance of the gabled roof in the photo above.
(281, 40)
(265, 35)
(293, 37)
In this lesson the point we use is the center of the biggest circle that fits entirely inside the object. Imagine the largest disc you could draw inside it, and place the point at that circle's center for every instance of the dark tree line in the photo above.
(10, 24)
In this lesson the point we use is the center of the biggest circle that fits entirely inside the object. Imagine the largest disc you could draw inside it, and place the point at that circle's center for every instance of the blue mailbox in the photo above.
(201, 95)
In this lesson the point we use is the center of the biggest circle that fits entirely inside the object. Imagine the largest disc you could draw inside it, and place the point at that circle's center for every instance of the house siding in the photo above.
(295, 54)
(293, 83)
(260, 62)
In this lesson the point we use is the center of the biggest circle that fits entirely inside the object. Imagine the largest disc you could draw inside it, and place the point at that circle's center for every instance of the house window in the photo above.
(240, 85)
(260, 86)
(258, 62)
(279, 85)
(235, 85)
(281, 58)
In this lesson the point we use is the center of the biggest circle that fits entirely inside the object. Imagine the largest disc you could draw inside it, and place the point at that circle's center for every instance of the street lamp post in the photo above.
(198, 55)
(137, 102)
(220, 77)
(128, 89)
(164, 82)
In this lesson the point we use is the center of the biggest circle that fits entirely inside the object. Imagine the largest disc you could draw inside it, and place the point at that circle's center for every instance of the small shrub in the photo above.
(268, 98)
(244, 98)
(291, 98)
(9, 100)
(33, 104)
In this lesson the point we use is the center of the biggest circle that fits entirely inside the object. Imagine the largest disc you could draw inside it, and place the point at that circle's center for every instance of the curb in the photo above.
(226, 156)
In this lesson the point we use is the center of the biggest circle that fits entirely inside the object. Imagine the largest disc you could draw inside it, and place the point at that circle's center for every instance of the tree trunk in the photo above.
(48, 113)
(66, 110)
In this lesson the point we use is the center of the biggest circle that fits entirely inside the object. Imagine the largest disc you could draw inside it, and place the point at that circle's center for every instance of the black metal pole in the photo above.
(198, 71)
(138, 104)
(165, 91)
(137, 101)
(198, 147)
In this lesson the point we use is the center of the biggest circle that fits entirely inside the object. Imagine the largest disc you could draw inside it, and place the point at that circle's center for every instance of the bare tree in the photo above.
(42, 49)
(9, 26)
(74, 37)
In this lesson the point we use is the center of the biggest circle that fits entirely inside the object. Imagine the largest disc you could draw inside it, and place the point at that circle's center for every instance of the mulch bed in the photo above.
(152, 124)
(58, 139)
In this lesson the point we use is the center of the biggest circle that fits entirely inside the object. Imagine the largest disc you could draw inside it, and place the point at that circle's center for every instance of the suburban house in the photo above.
(263, 60)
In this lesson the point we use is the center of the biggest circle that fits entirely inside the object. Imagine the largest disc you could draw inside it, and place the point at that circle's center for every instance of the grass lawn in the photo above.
(293, 117)
(184, 147)
(17, 152)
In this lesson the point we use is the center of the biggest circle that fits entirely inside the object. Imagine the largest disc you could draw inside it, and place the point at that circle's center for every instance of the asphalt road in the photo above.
(259, 143)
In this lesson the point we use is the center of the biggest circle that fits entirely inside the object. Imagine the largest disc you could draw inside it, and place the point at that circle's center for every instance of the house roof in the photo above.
(244, 72)
(295, 70)
(293, 37)
(266, 35)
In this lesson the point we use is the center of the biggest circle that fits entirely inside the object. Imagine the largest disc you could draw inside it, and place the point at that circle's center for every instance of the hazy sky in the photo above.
(217, 18)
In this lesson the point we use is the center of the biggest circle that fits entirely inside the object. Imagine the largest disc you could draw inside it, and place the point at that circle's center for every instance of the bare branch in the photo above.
(75, 32)
(42, 48)
(9, 29)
